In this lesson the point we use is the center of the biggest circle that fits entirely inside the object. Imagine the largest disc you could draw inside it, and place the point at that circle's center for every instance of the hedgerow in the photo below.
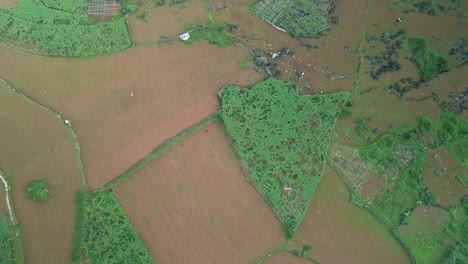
(284, 139)
(5, 246)
(34, 27)
(107, 234)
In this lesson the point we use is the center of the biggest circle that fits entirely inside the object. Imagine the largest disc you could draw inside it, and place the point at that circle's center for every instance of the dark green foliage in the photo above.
(38, 190)
(428, 61)
(33, 27)
(80, 201)
(5, 245)
(361, 126)
(107, 234)
(214, 35)
(345, 113)
(284, 139)
(425, 124)
(131, 8)
(73, 6)
(406, 157)
(453, 132)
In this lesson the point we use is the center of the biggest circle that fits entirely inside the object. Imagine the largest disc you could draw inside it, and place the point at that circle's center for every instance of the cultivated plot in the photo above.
(122, 107)
(193, 205)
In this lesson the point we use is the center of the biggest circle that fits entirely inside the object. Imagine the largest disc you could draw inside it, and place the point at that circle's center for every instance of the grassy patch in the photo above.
(107, 234)
(80, 201)
(453, 132)
(284, 139)
(429, 62)
(5, 245)
(67, 6)
(34, 27)
(214, 35)
(38, 190)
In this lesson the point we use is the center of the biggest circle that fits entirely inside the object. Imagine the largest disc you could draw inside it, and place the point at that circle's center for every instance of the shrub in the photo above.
(5, 245)
(214, 35)
(38, 190)
(424, 124)
(361, 126)
(428, 61)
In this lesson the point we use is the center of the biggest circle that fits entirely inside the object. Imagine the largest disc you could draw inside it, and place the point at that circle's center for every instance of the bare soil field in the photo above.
(123, 107)
(286, 258)
(8, 3)
(47, 227)
(440, 175)
(193, 205)
(27, 133)
(170, 20)
(321, 63)
(340, 232)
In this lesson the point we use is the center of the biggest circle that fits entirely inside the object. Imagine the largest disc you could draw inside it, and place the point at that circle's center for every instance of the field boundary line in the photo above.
(156, 153)
(7, 199)
(64, 122)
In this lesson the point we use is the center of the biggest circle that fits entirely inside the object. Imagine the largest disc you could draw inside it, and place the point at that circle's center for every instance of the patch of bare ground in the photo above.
(27, 133)
(47, 227)
(151, 22)
(8, 3)
(319, 58)
(193, 205)
(440, 175)
(123, 107)
(424, 222)
(340, 232)
(286, 258)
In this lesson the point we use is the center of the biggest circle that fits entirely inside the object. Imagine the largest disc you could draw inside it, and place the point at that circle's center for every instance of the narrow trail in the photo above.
(7, 198)
(64, 122)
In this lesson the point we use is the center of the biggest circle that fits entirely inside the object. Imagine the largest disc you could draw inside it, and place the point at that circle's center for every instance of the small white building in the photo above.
(184, 36)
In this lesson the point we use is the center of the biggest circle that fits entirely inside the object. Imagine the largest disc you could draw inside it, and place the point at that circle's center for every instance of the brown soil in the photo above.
(424, 222)
(27, 133)
(47, 227)
(440, 177)
(165, 20)
(173, 88)
(340, 232)
(8, 3)
(193, 205)
(286, 258)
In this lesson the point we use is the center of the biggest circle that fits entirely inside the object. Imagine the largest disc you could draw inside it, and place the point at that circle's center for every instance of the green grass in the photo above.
(429, 62)
(36, 28)
(107, 234)
(65, 5)
(80, 200)
(5, 245)
(38, 190)
(284, 139)
(453, 133)
(214, 35)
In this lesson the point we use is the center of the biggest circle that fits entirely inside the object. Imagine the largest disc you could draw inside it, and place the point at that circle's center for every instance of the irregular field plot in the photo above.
(173, 88)
(47, 227)
(286, 258)
(8, 3)
(169, 20)
(340, 232)
(193, 205)
(26, 132)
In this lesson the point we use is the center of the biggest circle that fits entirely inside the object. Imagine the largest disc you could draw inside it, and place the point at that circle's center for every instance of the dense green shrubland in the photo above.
(36, 28)
(429, 62)
(284, 138)
(5, 245)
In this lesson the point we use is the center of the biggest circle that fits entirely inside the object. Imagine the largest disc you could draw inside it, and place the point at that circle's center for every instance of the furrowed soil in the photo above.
(47, 227)
(193, 205)
(286, 258)
(27, 133)
(340, 232)
(123, 107)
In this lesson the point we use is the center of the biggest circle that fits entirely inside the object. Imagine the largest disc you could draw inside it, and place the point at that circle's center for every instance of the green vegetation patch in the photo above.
(284, 139)
(5, 245)
(66, 5)
(38, 190)
(300, 18)
(429, 62)
(453, 133)
(214, 35)
(106, 233)
(36, 28)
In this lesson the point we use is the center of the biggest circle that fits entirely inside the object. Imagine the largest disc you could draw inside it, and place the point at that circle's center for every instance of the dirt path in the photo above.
(7, 198)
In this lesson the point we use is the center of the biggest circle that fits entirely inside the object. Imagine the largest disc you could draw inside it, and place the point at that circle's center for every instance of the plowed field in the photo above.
(193, 205)
(124, 106)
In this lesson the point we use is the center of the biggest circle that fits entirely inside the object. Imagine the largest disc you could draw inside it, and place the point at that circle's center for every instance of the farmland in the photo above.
(290, 131)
